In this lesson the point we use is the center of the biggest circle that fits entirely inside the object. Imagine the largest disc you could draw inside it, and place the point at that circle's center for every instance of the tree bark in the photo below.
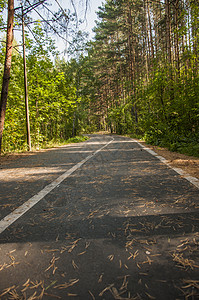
(168, 29)
(148, 48)
(26, 86)
(7, 67)
(176, 36)
(150, 30)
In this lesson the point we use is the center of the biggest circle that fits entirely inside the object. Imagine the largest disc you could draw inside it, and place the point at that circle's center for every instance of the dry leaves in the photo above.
(111, 257)
(74, 244)
(118, 295)
(52, 264)
(133, 255)
(66, 284)
(74, 265)
(28, 285)
(190, 289)
(185, 262)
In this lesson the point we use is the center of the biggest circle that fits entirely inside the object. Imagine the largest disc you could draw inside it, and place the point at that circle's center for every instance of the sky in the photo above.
(91, 17)
(88, 25)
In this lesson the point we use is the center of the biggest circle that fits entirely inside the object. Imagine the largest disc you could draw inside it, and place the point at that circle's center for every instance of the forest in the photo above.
(138, 76)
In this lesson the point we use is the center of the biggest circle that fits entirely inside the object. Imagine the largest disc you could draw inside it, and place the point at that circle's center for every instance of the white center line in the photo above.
(21, 210)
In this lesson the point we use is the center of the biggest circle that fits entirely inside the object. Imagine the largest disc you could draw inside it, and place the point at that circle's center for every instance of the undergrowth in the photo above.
(188, 145)
(46, 145)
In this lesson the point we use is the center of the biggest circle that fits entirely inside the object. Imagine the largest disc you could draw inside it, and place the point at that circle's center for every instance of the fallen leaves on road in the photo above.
(29, 285)
(6, 291)
(185, 262)
(150, 297)
(106, 289)
(74, 244)
(66, 284)
(3, 266)
(52, 264)
(53, 296)
(140, 239)
(92, 296)
(148, 261)
(133, 255)
(71, 295)
(75, 266)
(190, 283)
(111, 257)
(100, 278)
(125, 283)
(190, 289)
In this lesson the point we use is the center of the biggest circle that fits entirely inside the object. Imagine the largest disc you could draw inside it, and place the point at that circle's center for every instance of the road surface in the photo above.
(103, 219)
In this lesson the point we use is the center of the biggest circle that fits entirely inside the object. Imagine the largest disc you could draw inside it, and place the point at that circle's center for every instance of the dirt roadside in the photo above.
(189, 164)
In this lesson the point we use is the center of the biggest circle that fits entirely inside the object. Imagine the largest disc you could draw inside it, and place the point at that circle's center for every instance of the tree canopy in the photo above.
(138, 76)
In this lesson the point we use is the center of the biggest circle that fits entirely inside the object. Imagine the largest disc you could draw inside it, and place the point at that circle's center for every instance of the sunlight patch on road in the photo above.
(21, 210)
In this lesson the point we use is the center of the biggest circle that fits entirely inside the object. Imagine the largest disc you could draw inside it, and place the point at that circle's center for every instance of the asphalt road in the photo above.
(119, 225)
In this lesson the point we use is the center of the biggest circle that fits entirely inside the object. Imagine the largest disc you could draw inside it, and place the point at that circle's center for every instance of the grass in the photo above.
(51, 144)
(55, 143)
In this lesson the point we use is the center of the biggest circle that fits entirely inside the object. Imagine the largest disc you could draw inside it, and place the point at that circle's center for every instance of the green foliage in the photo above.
(178, 143)
(15, 128)
(77, 139)
(134, 86)
(120, 119)
(170, 112)
(2, 6)
(123, 81)
(52, 97)
(61, 142)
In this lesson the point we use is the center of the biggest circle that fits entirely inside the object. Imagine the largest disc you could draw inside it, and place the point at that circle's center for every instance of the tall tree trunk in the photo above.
(156, 17)
(26, 86)
(168, 29)
(195, 35)
(131, 50)
(176, 36)
(147, 44)
(150, 30)
(7, 67)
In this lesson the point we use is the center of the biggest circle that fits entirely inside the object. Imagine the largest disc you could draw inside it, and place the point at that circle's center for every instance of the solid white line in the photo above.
(21, 210)
(185, 175)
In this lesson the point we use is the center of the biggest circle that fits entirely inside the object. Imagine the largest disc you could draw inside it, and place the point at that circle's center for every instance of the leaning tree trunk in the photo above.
(7, 67)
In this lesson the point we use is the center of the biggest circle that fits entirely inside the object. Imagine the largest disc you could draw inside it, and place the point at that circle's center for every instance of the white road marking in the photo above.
(185, 175)
(21, 210)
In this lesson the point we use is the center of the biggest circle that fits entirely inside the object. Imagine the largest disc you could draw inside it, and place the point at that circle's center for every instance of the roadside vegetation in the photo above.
(138, 76)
